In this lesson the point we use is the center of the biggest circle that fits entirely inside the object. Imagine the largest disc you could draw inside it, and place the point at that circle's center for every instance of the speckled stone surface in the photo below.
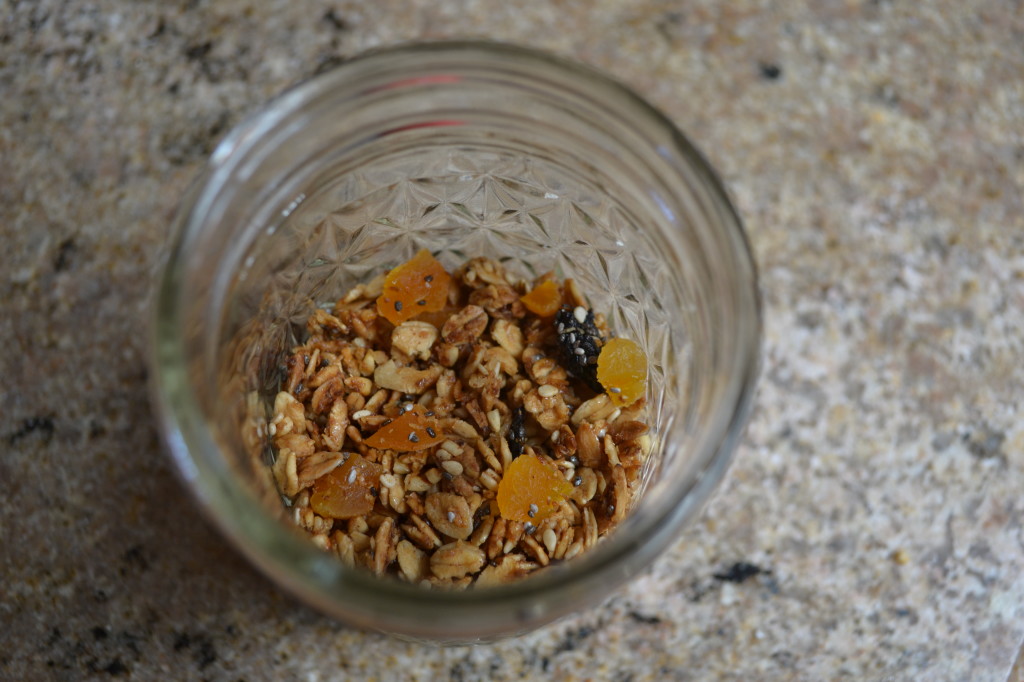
(876, 152)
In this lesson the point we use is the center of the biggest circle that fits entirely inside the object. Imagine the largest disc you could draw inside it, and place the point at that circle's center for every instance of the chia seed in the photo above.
(579, 343)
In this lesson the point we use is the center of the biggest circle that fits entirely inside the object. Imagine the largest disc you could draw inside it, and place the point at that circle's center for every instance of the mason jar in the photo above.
(464, 149)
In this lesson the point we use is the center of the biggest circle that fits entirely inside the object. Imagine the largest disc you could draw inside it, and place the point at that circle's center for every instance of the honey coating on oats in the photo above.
(469, 441)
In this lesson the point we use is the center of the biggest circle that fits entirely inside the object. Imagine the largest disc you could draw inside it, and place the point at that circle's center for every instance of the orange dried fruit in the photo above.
(410, 431)
(348, 491)
(622, 371)
(531, 489)
(420, 285)
(543, 300)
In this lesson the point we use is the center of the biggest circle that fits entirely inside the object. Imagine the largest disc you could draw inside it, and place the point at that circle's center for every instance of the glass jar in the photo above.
(466, 149)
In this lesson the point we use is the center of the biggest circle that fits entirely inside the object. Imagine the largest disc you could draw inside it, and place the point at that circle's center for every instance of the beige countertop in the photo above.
(875, 150)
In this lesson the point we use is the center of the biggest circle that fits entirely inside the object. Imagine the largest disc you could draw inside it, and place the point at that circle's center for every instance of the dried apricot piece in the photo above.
(543, 300)
(622, 371)
(412, 430)
(420, 285)
(531, 489)
(348, 491)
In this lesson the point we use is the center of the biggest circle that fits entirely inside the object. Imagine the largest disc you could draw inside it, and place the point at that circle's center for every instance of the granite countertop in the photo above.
(871, 525)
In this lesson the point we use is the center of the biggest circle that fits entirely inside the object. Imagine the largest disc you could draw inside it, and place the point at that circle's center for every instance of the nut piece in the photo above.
(450, 514)
(289, 415)
(588, 447)
(412, 561)
(510, 568)
(465, 326)
(406, 379)
(415, 339)
(337, 421)
(508, 336)
(456, 559)
(310, 468)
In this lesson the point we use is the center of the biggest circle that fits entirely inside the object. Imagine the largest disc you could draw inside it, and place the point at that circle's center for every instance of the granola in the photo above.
(400, 417)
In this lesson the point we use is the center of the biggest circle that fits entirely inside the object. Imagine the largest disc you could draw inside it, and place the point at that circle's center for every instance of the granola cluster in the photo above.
(489, 375)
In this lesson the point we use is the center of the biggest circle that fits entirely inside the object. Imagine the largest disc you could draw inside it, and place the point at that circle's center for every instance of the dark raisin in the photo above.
(579, 344)
(516, 435)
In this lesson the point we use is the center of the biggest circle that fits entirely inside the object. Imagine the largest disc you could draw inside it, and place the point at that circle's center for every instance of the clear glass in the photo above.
(466, 149)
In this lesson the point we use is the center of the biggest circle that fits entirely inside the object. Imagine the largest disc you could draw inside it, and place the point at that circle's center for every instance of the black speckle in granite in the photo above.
(809, 320)
(572, 639)
(885, 94)
(135, 559)
(62, 261)
(644, 619)
(161, 28)
(55, 636)
(182, 641)
(739, 572)
(332, 18)
(201, 645)
(41, 425)
(984, 442)
(99, 633)
(37, 21)
(115, 668)
(198, 51)
(784, 659)
(769, 71)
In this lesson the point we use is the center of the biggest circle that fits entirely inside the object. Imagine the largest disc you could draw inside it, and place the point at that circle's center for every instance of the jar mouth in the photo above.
(197, 445)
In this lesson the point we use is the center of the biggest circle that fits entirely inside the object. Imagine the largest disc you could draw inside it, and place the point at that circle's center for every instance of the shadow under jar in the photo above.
(464, 149)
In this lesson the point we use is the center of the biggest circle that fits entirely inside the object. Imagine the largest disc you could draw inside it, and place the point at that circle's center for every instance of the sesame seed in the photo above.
(428, 279)
(352, 476)
(430, 413)
(431, 432)
(529, 528)
(407, 407)
(422, 301)
(413, 438)
(572, 338)
(547, 391)
(579, 351)
(398, 306)
(615, 389)
(451, 517)
(580, 313)
(555, 435)
(577, 482)
(533, 510)
(561, 328)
